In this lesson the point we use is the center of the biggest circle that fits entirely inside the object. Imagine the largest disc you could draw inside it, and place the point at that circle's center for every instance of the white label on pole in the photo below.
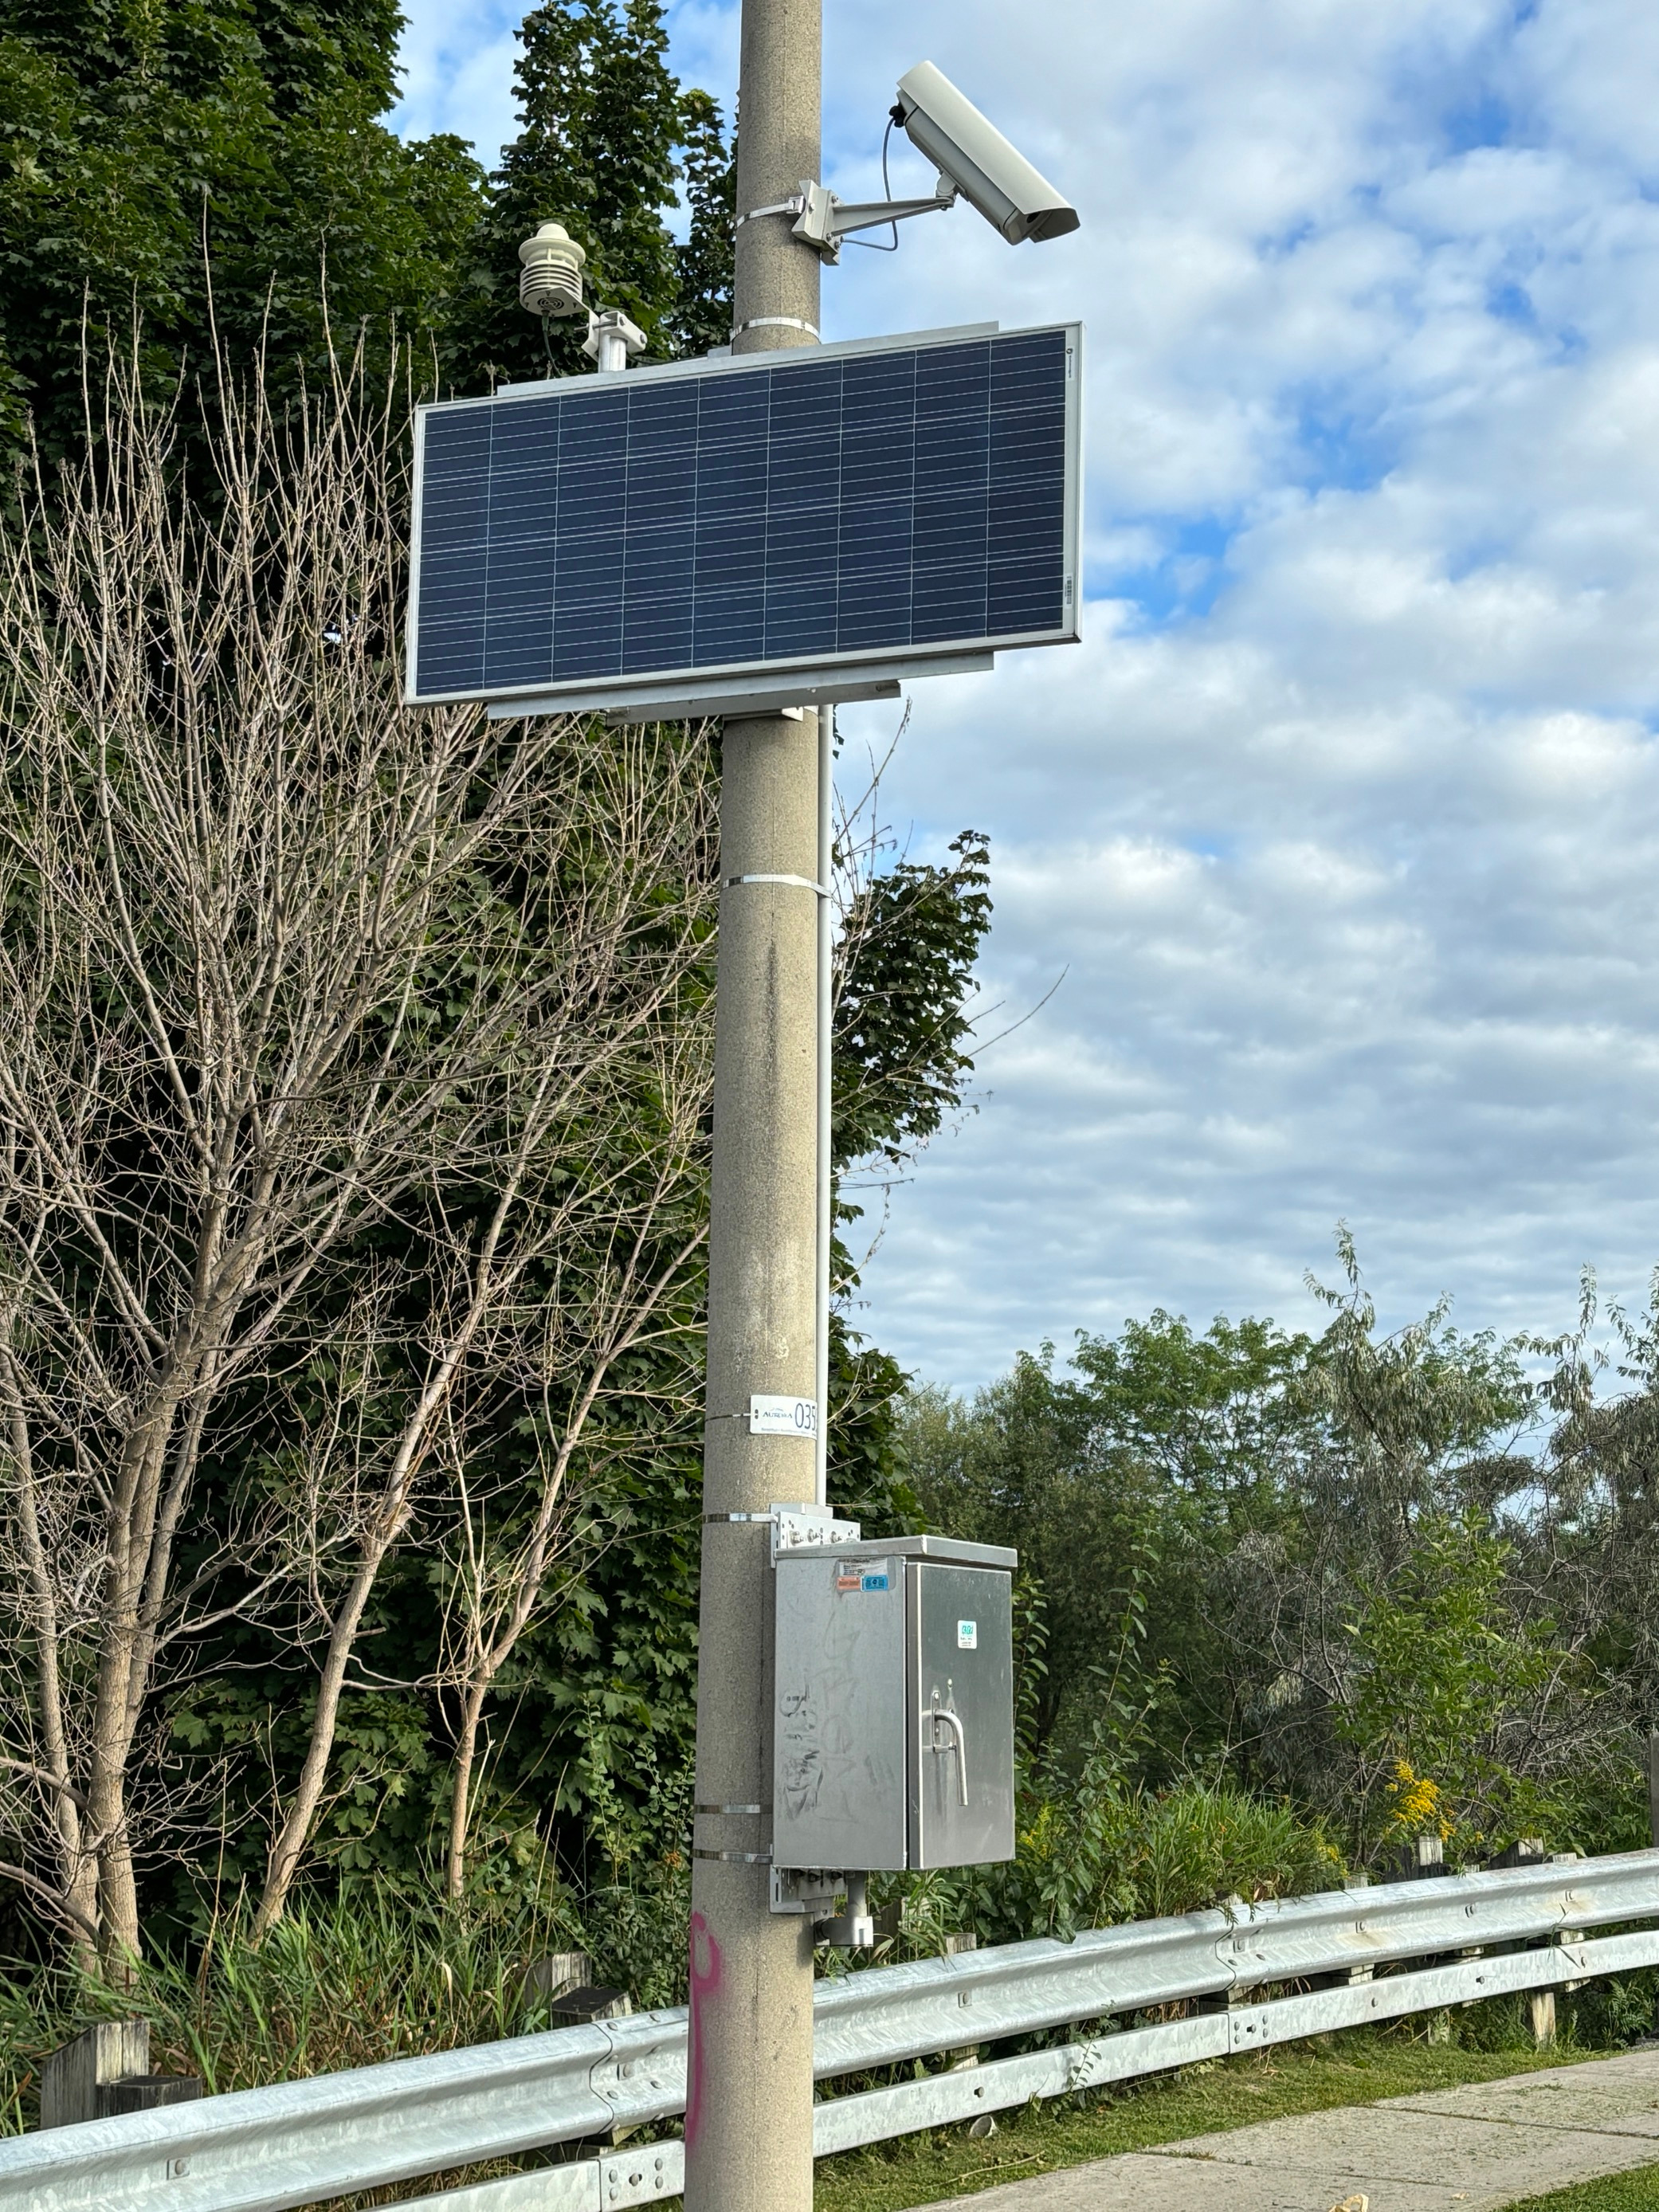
(967, 1636)
(782, 1417)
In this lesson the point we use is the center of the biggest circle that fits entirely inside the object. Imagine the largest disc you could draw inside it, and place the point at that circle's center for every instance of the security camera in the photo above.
(975, 156)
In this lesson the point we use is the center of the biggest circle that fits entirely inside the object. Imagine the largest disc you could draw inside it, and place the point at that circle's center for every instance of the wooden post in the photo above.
(105, 2072)
(1541, 2005)
(147, 2092)
(550, 1976)
(71, 2077)
(577, 2007)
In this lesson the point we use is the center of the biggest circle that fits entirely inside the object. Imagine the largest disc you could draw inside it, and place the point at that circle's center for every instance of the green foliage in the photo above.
(225, 175)
(605, 122)
(1219, 1417)
(1621, 2008)
(133, 136)
(387, 1773)
(868, 1474)
(1420, 1419)
(1320, 1568)
(638, 1873)
(1445, 1685)
(912, 937)
(1094, 1848)
(352, 1979)
(1118, 1484)
(702, 316)
(909, 945)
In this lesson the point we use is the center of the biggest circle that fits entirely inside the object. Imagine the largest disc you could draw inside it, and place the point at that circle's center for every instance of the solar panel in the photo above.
(877, 505)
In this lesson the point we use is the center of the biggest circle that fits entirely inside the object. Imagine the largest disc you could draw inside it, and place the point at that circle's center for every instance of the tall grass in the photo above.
(1091, 1850)
(383, 1971)
(385, 1967)
(378, 1972)
(350, 1982)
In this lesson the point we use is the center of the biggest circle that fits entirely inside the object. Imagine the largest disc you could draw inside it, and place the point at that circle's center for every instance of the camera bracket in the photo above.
(822, 220)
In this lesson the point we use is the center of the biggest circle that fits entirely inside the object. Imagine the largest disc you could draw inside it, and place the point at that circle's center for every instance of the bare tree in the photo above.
(315, 1014)
(628, 1298)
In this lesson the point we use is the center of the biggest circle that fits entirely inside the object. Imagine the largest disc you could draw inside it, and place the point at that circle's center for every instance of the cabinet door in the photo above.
(838, 1793)
(960, 1632)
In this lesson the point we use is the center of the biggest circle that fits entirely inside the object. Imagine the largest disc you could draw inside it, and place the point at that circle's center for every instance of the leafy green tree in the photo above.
(1418, 1420)
(905, 966)
(604, 124)
(146, 144)
(1595, 1543)
(701, 319)
(1446, 1701)
(912, 936)
(1395, 1649)
(226, 175)
(1122, 1484)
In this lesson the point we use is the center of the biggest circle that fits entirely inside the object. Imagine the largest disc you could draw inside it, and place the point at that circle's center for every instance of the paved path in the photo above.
(1447, 2150)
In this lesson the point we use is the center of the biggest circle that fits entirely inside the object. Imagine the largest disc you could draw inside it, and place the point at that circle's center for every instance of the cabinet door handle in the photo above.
(942, 1713)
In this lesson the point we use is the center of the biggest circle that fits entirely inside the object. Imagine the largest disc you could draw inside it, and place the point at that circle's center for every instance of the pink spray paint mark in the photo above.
(705, 1986)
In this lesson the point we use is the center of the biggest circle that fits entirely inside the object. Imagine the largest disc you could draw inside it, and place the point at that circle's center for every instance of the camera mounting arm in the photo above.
(822, 220)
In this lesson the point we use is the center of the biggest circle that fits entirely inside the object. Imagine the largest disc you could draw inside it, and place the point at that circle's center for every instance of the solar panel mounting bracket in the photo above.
(612, 339)
(730, 698)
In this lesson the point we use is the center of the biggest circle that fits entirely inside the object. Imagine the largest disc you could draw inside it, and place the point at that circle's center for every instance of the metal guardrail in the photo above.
(1438, 1942)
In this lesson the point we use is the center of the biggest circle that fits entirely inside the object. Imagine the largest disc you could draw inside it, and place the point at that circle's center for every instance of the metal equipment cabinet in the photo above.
(893, 1715)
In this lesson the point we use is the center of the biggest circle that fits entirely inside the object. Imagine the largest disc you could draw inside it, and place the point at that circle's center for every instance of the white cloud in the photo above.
(458, 72)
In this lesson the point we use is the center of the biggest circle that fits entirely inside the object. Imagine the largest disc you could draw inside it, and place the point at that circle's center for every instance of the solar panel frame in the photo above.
(545, 571)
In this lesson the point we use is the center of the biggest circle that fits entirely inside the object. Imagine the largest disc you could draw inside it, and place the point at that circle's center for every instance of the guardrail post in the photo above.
(105, 2072)
(71, 2078)
(1525, 1850)
(554, 1974)
(1541, 2008)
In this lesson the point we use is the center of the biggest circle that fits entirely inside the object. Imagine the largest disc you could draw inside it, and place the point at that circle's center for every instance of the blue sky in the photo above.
(1342, 824)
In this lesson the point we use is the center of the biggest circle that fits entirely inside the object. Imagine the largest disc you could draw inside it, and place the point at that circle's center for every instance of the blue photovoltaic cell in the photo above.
(821, 505)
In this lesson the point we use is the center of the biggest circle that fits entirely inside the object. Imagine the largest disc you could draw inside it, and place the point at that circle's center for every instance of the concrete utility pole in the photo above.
(748, 2108)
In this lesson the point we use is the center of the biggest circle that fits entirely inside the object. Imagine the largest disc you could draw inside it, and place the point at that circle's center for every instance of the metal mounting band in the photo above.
(730, 1808)
(736, 1516)
(735, 1858)
(773, 323)
(779, 207)
(795, 882)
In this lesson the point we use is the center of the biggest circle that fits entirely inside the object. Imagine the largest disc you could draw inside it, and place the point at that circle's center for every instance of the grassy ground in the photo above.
(1349, 2069)
(1620, 2192)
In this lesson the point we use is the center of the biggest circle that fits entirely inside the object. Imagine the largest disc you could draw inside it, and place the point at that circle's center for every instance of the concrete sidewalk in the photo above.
(1448, 2150)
